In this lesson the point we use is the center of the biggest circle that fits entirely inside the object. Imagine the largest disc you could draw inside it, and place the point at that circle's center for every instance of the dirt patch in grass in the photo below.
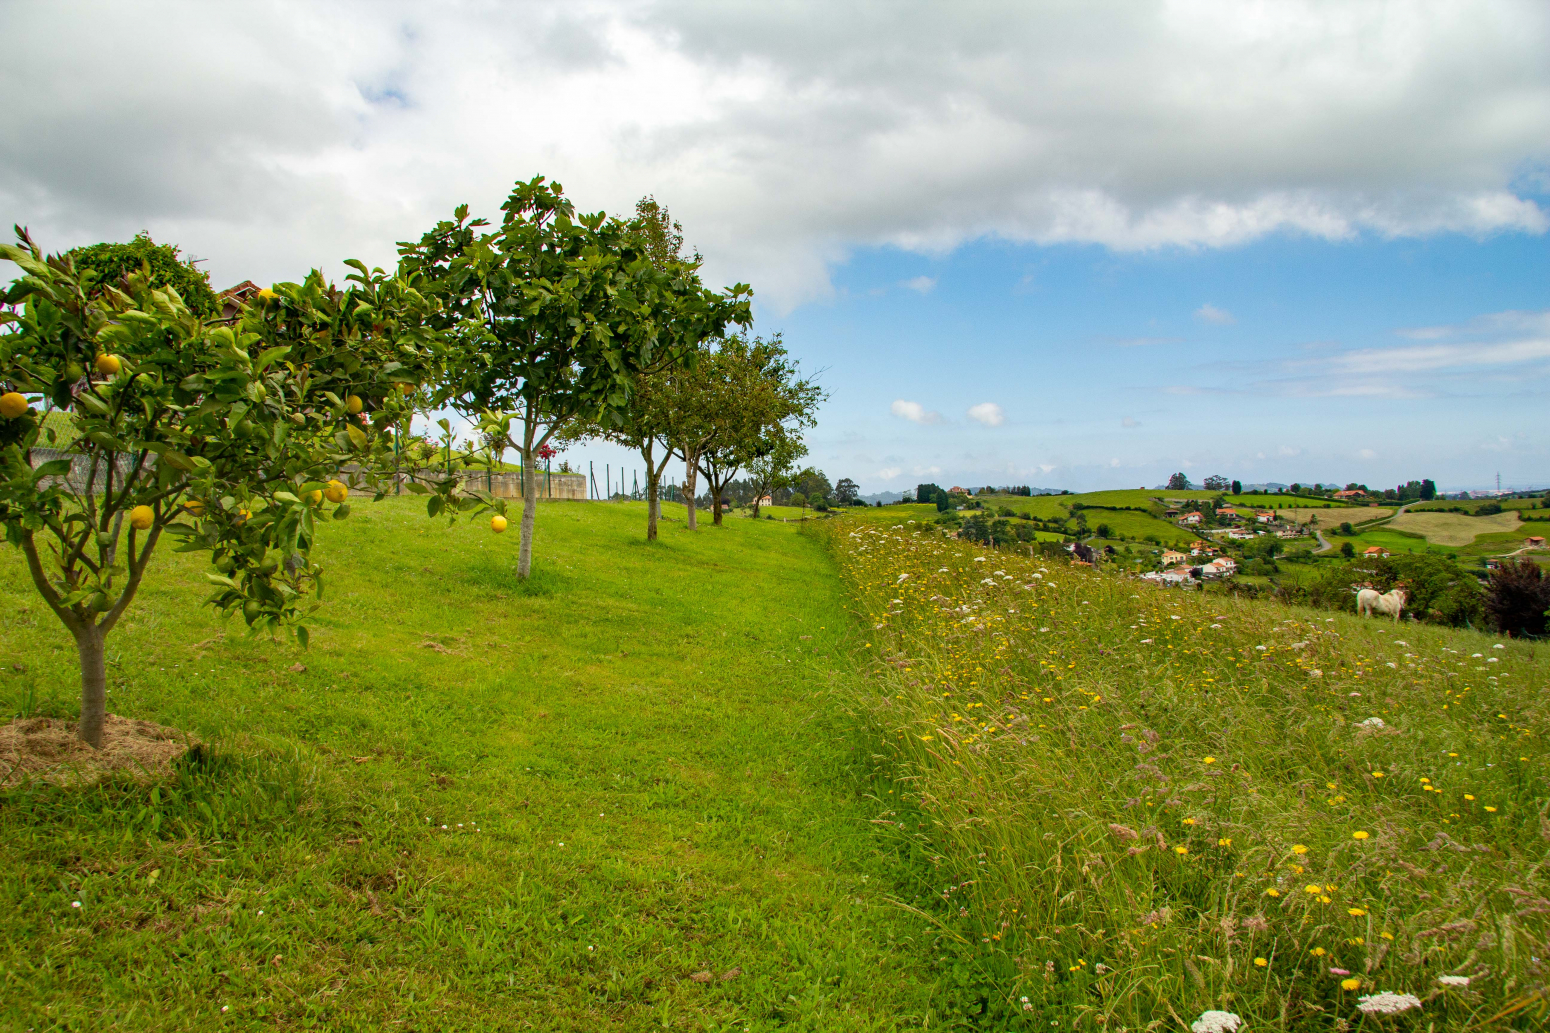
(46, 748)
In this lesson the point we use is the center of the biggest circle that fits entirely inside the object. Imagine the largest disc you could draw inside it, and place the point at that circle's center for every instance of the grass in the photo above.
(485, 804)
(1143, 804)
(1454, 529)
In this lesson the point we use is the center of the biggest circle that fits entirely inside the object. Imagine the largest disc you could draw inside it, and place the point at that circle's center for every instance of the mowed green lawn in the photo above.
(483, 805)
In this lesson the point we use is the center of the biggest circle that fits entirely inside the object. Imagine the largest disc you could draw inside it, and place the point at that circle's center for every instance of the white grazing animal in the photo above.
(1368, 602)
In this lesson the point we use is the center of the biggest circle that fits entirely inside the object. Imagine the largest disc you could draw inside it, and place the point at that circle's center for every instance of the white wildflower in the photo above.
(979, 559)
(1216, 1022)
(901, 578)
(1387, 1003)
(1498, 646)
(1453, 980)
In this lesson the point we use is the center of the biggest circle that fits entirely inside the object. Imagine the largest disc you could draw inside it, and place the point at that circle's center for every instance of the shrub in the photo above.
(1518, 596)
(1437, 589)
(1489, 509)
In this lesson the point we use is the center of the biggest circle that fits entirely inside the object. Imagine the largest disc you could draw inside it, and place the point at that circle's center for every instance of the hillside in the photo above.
(1142, 804)
(481, 799)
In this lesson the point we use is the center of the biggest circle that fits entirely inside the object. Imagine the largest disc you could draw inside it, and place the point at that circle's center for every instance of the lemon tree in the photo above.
(240, 439)
(556, 314)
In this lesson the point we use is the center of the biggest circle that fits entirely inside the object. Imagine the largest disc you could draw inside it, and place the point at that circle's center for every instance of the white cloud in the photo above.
(1130, 421)
(783, 136)
(888, 473)
(914, 412)
(921, 284)
(1288, 450)
(927, 471)
(1209, 313)
(1366, 453)
(988, 413)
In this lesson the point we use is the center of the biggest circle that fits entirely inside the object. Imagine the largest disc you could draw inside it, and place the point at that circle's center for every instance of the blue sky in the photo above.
(1112, 372)
(1073, 246)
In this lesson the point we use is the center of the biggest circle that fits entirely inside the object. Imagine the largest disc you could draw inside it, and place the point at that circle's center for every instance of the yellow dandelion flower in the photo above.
(1377, 774)
(1468, 797)
(1490, 808)
(1227, 841)
(1313, 888)
(1272, 893)
(1359, 834)
(1387, 936)
(1298, 848)
(1318, 952)
(1261, 962)
(1189, 821)
(1351, 984)
(1208, 760)
(1181, 850)
(1355, 912)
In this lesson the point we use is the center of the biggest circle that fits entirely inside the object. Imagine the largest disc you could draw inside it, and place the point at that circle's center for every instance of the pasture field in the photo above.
(484, 804)
(1454, 529)
(1394, 541)
(1139, 525)
(1261, 500)
(1327, 519)
(1508, 541)
(1472, 505)
(1143, 804)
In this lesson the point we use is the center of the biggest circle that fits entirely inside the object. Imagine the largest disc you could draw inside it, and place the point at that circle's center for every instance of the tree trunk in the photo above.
(94, 684)
(715, 506)
(529, 513)
(652, 488)
(691, 474)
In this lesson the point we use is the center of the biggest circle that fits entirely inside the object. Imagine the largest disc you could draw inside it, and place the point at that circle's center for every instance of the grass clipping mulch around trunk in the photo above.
(45, 748)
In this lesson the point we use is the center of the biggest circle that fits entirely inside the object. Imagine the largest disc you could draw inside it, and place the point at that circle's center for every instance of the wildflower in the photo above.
(1468, 796)
(1189, 821)
(1216, 1022)
(1355, 912)
(1224, 841)
(1453, 980)
(1359, 834)
(1387, 936)
(75, 903)
(1261, 962)
(1318, 952)
(1387, 1003)
(1377, 774)
(1208, 760)
(1339, 972)
(1298, 848)
(1491, 809)
(1272, 892)
(1181, 850)
(1313, 888)
(1351, 984)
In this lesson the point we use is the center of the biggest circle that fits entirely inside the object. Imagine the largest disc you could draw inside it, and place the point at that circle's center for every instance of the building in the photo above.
(1350, 493)
(1173, 556)
(1534, 542)
(233, 298)
(1375, 552)
(1228, 514)
(1265, 518)
(1192, 519)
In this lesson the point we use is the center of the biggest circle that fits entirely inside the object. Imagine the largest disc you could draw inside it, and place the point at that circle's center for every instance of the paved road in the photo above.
(1327, 546)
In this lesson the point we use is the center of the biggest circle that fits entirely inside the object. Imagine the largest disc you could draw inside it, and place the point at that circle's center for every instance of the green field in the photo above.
(484, 805)
(488, 804)
(1143, 803)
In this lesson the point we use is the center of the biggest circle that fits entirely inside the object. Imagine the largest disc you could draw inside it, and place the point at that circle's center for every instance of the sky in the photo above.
(1066, 245)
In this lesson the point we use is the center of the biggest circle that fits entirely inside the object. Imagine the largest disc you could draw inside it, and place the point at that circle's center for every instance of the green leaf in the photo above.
(342, 511)
(269, 355)
(285, 496)
(301, 635)
(52, 468)
(357, 436)
(433, 505)
(417, 488)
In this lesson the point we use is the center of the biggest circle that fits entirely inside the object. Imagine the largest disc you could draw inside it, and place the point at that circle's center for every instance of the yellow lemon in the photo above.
(497, 523)
(108, 365)
(335, 491)
(12, 405)
(406, 389)
(267, 295)
(314, 496)
(353, 404)
(243, 514)
(194, 507)
(141, 518)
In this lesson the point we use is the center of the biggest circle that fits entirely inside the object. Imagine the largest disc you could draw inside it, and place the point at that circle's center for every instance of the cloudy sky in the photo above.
(1073, 245)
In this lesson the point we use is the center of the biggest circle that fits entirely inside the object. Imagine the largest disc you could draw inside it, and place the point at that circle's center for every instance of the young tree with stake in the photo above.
(229, 439)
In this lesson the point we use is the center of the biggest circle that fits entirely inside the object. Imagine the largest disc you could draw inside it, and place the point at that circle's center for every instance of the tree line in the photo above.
(240, 436)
